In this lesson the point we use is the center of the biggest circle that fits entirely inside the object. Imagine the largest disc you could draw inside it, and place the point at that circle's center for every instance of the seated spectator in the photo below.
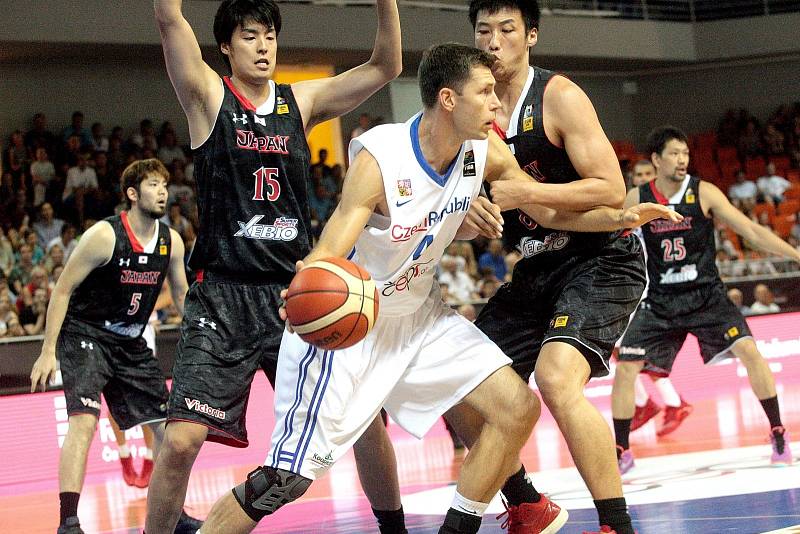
(7, 259)
(11, 321)
(67, 241)
(76, 129)
(39, 136)
(486, 277)
(773, 186)
(54, 258)
(321, 164)
(99, 141)
(364, 124)
(32, 317)
(495, 258)
(20, 275)
(460, 284)
(55, 274)
(81, 185)
(489, 288)
(750, 145)
(32, 240)
(323, 194)
(736, 296)
(48, 227)
(774, 141)
(643, 172)
(764, 301)
(42, 173)
(179, 191)
(465, 255)
(16, 160)
(743, 193)
(39, 280)
(145, 137)
(170, 152)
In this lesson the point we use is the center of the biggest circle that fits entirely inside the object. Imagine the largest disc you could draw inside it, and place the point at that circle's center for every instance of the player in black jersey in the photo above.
(686, 294)
(251, 166)
(97, 313)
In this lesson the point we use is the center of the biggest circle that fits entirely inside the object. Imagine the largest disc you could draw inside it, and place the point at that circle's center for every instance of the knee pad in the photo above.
(267, 489)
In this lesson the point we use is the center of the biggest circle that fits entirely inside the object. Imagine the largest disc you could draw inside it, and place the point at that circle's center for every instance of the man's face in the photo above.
(673, 161)
(47, 211)
(252, 52)
(26, 255)
(503, 34)
(643, 173)
(152, 199)
(475, 106)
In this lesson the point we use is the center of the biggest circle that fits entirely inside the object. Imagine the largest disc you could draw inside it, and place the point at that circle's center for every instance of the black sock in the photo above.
(456, 522)
(69, 504)
(772, 410)
(622, 431)
(614, 513)
(518, 489)
(391, 521)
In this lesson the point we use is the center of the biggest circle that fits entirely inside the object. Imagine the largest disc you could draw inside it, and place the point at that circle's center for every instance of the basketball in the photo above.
(332, 303)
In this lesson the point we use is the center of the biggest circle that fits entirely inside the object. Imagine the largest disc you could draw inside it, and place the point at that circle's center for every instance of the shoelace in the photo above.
(507, 513)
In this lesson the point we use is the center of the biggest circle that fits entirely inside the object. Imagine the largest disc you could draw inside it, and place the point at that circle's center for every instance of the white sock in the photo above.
(124, 451)
(149, 454)
(640, 393)
(668, 393)
(462, 504)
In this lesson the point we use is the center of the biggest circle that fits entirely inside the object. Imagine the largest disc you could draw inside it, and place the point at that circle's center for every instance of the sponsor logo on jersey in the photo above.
(530, 247)
(125, 261)
(527, 118)
(404, 188)
(534, 172)
(527, 221)
(269, 144)
(324, 461)
(162, 250)
(403, 282)
(201, 407)
(127, 330)
(688, 273)
(142, 260)
(281, 106)
(87, 345)
(91, 403)
(469, 164)
(147, 278)
(242, 119)
(660, 226)
(633, 351)
(282, 229)
(732, 332)
(690, 199)
(404, 233)
(561, 321)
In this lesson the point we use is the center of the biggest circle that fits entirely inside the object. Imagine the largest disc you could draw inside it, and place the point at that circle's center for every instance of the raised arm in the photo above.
(177, 272)
(362, 192)
(714, 202)
(326, 98)
(94, 249)
(198, 87)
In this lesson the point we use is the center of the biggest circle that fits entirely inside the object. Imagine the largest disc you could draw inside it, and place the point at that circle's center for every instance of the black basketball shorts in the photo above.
(658, 329)
(586, 301)
(229, 331)
(123, 369)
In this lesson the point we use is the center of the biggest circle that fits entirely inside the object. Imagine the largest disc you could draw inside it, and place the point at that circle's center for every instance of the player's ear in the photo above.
(533, 37)
(447, 98)
(132, 194)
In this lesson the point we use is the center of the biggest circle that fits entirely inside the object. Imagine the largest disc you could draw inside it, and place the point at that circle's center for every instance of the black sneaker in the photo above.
(186, 524)
(71, 525)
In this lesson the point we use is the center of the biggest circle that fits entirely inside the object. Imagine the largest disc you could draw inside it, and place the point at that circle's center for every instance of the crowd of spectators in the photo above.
(56, 185)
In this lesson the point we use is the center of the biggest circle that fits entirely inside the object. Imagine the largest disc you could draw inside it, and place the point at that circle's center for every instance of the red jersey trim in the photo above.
(137, 247)
(239, 96)
(498, 130)
(200, 275)
(656, 193)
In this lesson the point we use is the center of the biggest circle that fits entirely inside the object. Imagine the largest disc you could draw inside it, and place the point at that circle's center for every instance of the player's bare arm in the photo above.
(326, 98)
(716, 204)
(571, 121)
(198, 87)
(178, 286)
(94, 249)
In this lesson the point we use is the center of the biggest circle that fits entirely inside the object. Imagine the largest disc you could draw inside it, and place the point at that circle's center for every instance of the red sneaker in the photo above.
(644, 414)
(604, 529)
(543, 517)
(128, 472)
(673, 417)
(143, 480)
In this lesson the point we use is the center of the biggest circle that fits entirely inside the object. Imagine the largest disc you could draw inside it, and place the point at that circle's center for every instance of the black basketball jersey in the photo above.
(252, 174)
(120, 295)
(680, 256)
(545, 162)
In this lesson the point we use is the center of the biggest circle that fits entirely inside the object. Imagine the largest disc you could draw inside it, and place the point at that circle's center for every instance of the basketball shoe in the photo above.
(187, 524)
(128, 472)
(624, 460)
(143, 480)
(71, 526)
(781, 453)
(673, 417)
(543, 517)
(644, 413)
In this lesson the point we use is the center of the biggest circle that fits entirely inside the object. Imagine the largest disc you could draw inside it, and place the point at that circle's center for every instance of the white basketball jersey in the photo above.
(401, 251)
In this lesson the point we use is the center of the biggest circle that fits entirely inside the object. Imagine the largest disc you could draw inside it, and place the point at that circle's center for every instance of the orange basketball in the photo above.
(332, 303)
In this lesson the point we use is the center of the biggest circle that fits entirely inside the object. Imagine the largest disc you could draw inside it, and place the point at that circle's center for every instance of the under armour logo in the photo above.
(85, 345)
(125, 261)
(203, 322)
(243, 118)
(259, 120)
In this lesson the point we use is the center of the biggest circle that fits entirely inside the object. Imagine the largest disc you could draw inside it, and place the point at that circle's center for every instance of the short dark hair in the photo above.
(135, 173)
(448, 65)
(528, 8)
(659, 137)
(234, 13)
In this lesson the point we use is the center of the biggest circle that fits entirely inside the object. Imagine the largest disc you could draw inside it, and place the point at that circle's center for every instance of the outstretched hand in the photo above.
(645, 212)
(299, 266)
(44, 370)
(483, 218)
